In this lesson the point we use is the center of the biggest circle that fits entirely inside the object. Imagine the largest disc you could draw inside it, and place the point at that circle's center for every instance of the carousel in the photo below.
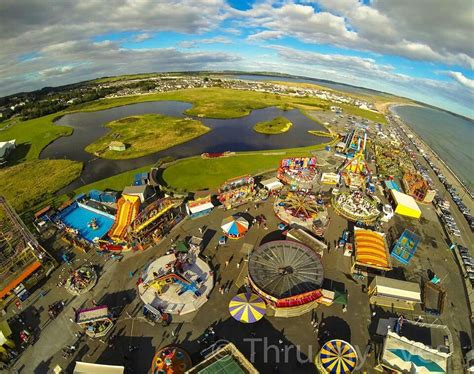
(81, 280)
(286, 274)
(96, 321)
(336, 357)
(302, 209)
(171, 360)
(356, 207)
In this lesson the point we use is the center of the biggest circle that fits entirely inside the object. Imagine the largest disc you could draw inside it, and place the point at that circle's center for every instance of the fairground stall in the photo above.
(355, 207)
(81, 280)
(418, 187)
(434, 298)
(237, 191)
(171, 360)
(370, 252)
(331, 179)
(394, 293)
(309, 240)
(96, 321)
(154, 221)
(90, 368)
(199, 207)
(405, 205)
(299, 173)
(303, 209)
(178, 283)
(287, 275)
(272, 185)
(337, 357)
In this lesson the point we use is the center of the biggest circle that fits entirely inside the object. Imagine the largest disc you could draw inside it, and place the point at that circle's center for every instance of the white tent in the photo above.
(88, 368)
(405, 204)
(272, 184)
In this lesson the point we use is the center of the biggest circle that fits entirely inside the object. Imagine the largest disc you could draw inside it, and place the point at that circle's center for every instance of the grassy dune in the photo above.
(146, 134)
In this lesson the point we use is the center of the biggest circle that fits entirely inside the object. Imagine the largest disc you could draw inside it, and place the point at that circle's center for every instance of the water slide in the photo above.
(128, 207)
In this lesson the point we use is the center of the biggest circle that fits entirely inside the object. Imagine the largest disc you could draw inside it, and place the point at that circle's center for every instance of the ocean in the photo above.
(451, 137)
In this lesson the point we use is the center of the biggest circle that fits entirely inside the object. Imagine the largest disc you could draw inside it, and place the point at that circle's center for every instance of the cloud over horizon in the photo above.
(415, 49)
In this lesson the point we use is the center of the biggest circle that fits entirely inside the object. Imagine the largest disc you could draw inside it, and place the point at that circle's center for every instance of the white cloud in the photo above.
(214, 40)
(265, 35)
(460, 78)
(436, 31)
(56, 71)
(103, 59)
(142, 37)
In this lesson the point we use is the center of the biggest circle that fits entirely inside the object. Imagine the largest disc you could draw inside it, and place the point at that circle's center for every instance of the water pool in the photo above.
(78, 217)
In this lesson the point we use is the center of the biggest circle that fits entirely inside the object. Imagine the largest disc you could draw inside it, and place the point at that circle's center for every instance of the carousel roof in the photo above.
(285, 268)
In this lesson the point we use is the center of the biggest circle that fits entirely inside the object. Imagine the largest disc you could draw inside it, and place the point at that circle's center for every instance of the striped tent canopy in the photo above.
(247, 308)
(337, 357)
(235, 227)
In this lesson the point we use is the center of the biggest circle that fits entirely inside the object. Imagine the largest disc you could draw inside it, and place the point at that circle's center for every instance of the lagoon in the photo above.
(234, 134)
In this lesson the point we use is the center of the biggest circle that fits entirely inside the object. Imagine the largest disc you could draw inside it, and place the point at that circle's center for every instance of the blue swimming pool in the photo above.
(78, 216)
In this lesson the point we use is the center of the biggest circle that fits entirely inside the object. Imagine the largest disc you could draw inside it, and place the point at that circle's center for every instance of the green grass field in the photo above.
(146, 134)
(212, 102)
(32, 136)
(277, 125)
(196, 173)
(28, 184)
(125, 77)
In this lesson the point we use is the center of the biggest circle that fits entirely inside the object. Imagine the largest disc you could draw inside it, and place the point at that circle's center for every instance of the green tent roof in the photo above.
(182, 247)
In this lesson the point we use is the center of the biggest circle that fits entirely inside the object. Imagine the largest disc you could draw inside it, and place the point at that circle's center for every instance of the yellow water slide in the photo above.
(128, 207)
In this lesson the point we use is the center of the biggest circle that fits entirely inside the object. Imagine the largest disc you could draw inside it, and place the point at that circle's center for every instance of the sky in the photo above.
(420, 49)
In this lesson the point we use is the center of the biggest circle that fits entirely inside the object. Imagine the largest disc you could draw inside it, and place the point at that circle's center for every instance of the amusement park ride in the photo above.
(355, 171)
(161, 282)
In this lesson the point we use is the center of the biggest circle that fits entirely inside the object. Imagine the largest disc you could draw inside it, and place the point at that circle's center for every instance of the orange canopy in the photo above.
(370, 249)
(29, 270)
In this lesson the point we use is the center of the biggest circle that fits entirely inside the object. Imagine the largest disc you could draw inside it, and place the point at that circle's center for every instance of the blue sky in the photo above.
(421, 50)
